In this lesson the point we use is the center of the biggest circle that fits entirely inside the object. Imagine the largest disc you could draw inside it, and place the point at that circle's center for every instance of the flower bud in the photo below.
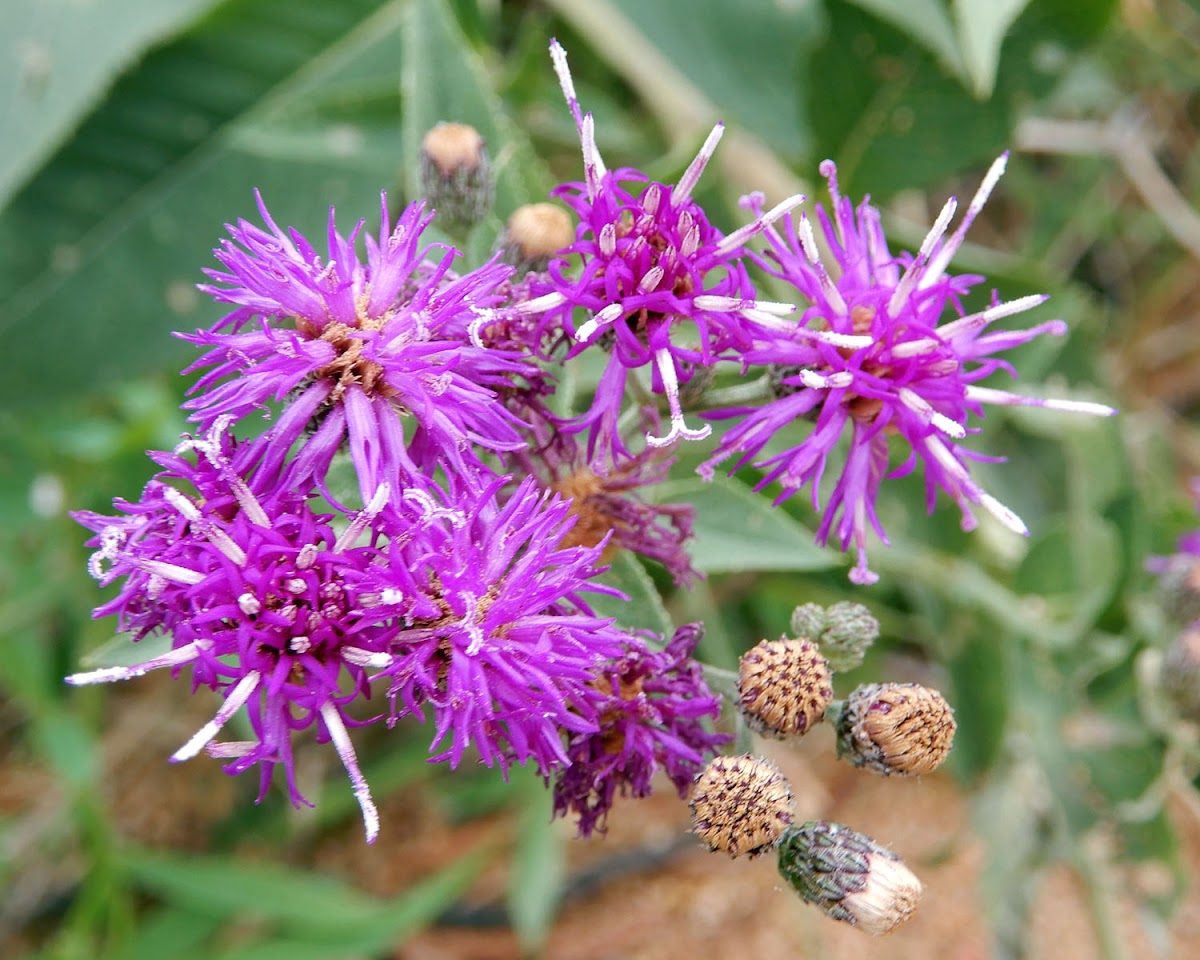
(1181, 674)
(1180, 587)
(899, 728)
(740, 805)
(843, 631)
(456, 175)
(534, 234)
(848, 875)
(784, 686)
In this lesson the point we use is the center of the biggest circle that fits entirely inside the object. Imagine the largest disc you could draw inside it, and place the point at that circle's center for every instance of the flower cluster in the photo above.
(453, 577)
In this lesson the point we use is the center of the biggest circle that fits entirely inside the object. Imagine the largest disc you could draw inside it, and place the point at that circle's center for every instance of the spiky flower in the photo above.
(662, 286)
(486, 623)
(915, 379)
(353, 348)
(258, 595)
(652, 705)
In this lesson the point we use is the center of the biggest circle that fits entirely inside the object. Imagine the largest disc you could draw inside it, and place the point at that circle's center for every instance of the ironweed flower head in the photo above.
(915, 378)
(651, 705)
(662, 286)
(486, 625)
(354, 347)
(258, 596)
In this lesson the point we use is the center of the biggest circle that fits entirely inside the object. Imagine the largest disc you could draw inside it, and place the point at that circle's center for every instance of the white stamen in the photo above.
(918, 405)
(588, 329)
(541, 304)
(687, 183)
(174, 658)
(1003, 514)
(832, 381)
(977, 321)
(913, 348)
(651, 199)
(171, 571)
(593, 165)
(649, 283)
(234, 702)
(249, 604)
(300, 644)
(345, 750)
(666, 369)
(691, 241)
(939, 263)
(808, 243)
(231, 749)
(718, 304)
(367, 659)
(608, 239)
(1003, 397)
(755, 227)
(915, 269)
(307, 556)
(362, 519)
(294, 585)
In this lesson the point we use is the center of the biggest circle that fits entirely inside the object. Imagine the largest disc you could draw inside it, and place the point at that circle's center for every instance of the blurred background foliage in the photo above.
(134, 131)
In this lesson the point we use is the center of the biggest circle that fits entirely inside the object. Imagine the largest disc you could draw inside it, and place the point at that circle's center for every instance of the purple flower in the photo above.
(355, 348)
(258, 595)
(651, 263)
(499, 641)
(652, 705)
(914, 378)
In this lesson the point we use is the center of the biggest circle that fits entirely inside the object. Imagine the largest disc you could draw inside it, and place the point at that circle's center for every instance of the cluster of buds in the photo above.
(742, 805)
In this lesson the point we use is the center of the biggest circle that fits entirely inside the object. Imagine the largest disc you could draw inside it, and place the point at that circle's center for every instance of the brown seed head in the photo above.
(741, 805)
(902, 728)
(456, 175)
(784, 686)
(453, 146)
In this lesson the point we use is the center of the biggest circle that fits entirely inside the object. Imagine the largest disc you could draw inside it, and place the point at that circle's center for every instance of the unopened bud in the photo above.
(1180, 587)
(902, 728)
(784, 686)
(1181, 674)
(456, 175)
(843, 631)
(534, 234)
(848, 875)
(741, 805)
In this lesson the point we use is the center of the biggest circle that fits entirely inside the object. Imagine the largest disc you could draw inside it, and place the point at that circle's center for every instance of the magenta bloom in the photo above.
(486, 623)
(356, 349)
(652, 708)
(915, 378)
(651, 264)
(258, 596)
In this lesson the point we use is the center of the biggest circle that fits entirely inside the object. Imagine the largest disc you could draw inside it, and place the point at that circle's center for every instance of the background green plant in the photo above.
(136, 130)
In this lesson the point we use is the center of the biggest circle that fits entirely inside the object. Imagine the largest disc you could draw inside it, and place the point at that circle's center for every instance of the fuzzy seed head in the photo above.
(456, 175)
(784, 686)
(901, 728)
(741, 805)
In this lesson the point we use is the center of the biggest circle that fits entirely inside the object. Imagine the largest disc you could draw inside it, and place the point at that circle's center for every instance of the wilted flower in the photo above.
(651, 264)
(902, 728)
(784, 686)
(652, 705)
(741, 805)
(355, 348)
(258, 594)
(915, 378)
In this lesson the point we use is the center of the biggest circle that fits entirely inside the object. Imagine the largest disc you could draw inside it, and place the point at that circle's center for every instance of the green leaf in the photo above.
(444, 80)
(737, 530)
(982, 676)
(926, 21)
(59, 59)
(744, 58)
(535, 882)
(104, 246)
(644, 610)
(982, 26)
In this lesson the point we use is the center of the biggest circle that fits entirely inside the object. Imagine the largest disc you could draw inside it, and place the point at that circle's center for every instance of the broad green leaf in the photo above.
(644, 609)
(926, 21)
(737, 530)
(538, 870)
(69, 747)
(444, 80)
(982, 676)
(982, 26)
(171, 931)
(104, 255)
(59, 58)
(743, 57)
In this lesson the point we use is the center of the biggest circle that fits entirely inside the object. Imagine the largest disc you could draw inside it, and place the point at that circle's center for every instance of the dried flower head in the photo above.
(902, 728)
(784, 686)
(741, 805)
(848, 876)
(911, 378)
